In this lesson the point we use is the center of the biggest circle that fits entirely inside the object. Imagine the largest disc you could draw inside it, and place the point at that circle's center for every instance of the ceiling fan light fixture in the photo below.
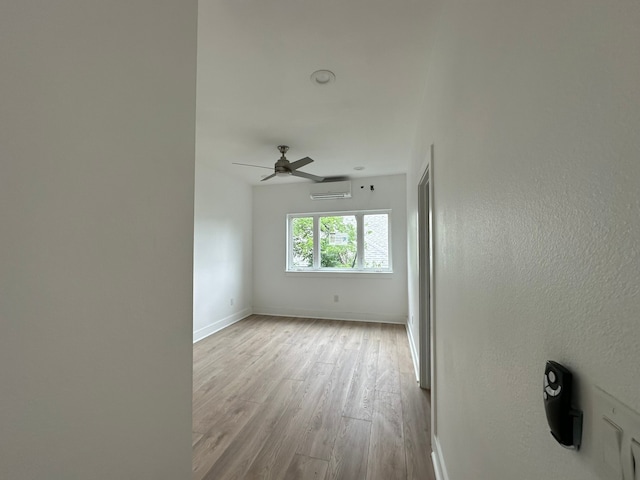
(283, 174)
(323, 77)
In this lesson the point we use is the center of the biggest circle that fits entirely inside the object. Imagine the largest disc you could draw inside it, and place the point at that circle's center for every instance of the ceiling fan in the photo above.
(284, 167)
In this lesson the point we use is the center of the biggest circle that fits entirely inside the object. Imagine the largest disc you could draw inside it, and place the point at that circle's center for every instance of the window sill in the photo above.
(339, 273)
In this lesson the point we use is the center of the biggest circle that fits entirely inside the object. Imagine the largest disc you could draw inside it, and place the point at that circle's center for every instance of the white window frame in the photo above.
(359, 268)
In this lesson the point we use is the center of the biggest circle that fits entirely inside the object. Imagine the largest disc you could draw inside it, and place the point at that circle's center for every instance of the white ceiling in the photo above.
(255, 58)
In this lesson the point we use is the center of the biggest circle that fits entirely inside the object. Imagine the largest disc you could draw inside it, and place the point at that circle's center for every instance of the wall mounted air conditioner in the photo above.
(331, 190)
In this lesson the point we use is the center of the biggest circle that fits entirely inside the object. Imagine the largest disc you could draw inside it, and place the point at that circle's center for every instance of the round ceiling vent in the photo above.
(323, 77)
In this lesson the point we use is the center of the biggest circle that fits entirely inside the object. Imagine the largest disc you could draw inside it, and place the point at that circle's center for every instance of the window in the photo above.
(302, 242)
(376, 241)
(339, 242)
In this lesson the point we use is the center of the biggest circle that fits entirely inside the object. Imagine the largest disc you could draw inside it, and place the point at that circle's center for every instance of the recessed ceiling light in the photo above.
(358, 168)
(323, 77)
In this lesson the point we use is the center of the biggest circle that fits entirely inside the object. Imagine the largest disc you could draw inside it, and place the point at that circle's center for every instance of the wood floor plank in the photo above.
(417, 436)
(300, 331)
(359, 403)
(217, 390)
(290, 328)
(351, 451)
(262, 379)
(275, 456)
(301, 359)
(373, 331)
(324, 425)
(236, 459)
(220, 373)
(208, 355)
(222, 418)
(222, 384)
(205, 455)
(388, 373)
(386, 449)
(405, 360)
(306, 468)
(353, 334)
(261, 410)
(224, 340)
(262, 343)
(327, 332)
(330, 351)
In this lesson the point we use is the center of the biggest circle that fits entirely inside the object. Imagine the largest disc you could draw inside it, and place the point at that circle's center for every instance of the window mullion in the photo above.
(289, 242)
(360, 238)
(316, 242)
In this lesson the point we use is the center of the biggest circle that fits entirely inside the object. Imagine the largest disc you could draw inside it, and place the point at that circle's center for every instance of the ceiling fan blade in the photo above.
(335, 179)
(267, 178)
(249, 165)
(315, 178)
(300, 163)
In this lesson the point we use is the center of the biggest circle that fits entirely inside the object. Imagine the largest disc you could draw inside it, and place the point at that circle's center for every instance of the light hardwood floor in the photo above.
(297, 399)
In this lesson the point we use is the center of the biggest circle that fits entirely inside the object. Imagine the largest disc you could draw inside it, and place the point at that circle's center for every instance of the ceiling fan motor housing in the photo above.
(281, 171)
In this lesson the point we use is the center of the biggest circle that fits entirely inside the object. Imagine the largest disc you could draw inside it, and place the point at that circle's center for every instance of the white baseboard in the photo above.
(330, 315)
(438, 461)
(220, 324)
(414, 352)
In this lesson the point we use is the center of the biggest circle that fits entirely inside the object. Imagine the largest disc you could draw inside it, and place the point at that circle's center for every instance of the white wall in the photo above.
(372, 297)
(97, 113)
(533, 109)
(222, 251)
(222, 257)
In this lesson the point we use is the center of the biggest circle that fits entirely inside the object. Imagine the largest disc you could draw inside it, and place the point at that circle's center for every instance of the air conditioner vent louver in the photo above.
(331, 190)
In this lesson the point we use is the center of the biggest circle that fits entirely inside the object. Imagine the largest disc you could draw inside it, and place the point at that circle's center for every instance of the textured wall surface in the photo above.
(97, 127)
(534, 109)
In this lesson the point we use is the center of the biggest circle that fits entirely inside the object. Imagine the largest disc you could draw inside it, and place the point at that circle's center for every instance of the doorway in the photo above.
(425, 268)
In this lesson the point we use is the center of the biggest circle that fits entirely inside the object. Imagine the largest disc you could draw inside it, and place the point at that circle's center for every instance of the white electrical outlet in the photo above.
(231, 302)
(336, 298)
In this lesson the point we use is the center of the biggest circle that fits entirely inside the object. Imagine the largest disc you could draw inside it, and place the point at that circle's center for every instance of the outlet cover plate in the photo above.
(609, 410)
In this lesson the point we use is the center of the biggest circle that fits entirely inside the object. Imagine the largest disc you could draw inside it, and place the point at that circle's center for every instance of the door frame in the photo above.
(423, 281)
(426, 281)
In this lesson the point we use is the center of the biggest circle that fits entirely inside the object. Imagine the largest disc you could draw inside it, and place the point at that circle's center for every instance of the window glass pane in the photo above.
(302, 241)
(376, 241)
(338, 241)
